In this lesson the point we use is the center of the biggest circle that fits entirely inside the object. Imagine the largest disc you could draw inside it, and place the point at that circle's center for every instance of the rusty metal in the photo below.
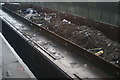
(111, 31)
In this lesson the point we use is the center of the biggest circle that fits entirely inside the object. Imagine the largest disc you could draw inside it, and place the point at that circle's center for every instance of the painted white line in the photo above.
(18, 58)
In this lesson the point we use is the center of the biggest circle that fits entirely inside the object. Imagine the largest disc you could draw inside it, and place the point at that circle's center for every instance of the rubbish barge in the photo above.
(71, 31)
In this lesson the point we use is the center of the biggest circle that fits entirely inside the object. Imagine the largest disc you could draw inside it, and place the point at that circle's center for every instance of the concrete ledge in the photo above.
(12, 65)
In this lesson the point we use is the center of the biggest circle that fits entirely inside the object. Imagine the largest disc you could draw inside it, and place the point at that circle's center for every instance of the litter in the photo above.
(87, 37)
(47, 17)
(28, 16)
(116, 59)
(96, 49)
(39, 24)
(29, 11)
(66, 21)
(99, 53)
(109, 44)
(52, 15)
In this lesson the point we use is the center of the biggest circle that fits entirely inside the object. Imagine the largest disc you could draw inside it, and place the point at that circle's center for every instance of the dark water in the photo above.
(102, 11)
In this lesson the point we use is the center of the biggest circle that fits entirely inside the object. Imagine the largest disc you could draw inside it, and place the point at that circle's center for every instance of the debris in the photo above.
(35, 16)
(66, 21)
(69, 22)
(52, 15)
(39, 41)
(95, 49)
(28, 16)
(47, 17)
(117, 62)
(109, 44)
(52, 50)
(15, 3)
(39, 24)
(116, 59)
(99, 34)
(34, 35)
(99, 53)
(29, 11)
(84, 36)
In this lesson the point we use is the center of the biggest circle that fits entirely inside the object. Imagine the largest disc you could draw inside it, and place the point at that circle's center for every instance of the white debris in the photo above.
(52, 14)
(15, 3)
(2, 3)
(57, 55)
(34, 35)
(69, 22)
(109, 44)
(66, 21)
(39, 24)
(47, 18)
(117, 61)
(28, 16)
(39, 41)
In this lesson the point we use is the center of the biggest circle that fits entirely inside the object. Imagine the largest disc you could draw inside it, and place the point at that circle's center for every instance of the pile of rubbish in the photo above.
(86, 37)
(35, 16)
